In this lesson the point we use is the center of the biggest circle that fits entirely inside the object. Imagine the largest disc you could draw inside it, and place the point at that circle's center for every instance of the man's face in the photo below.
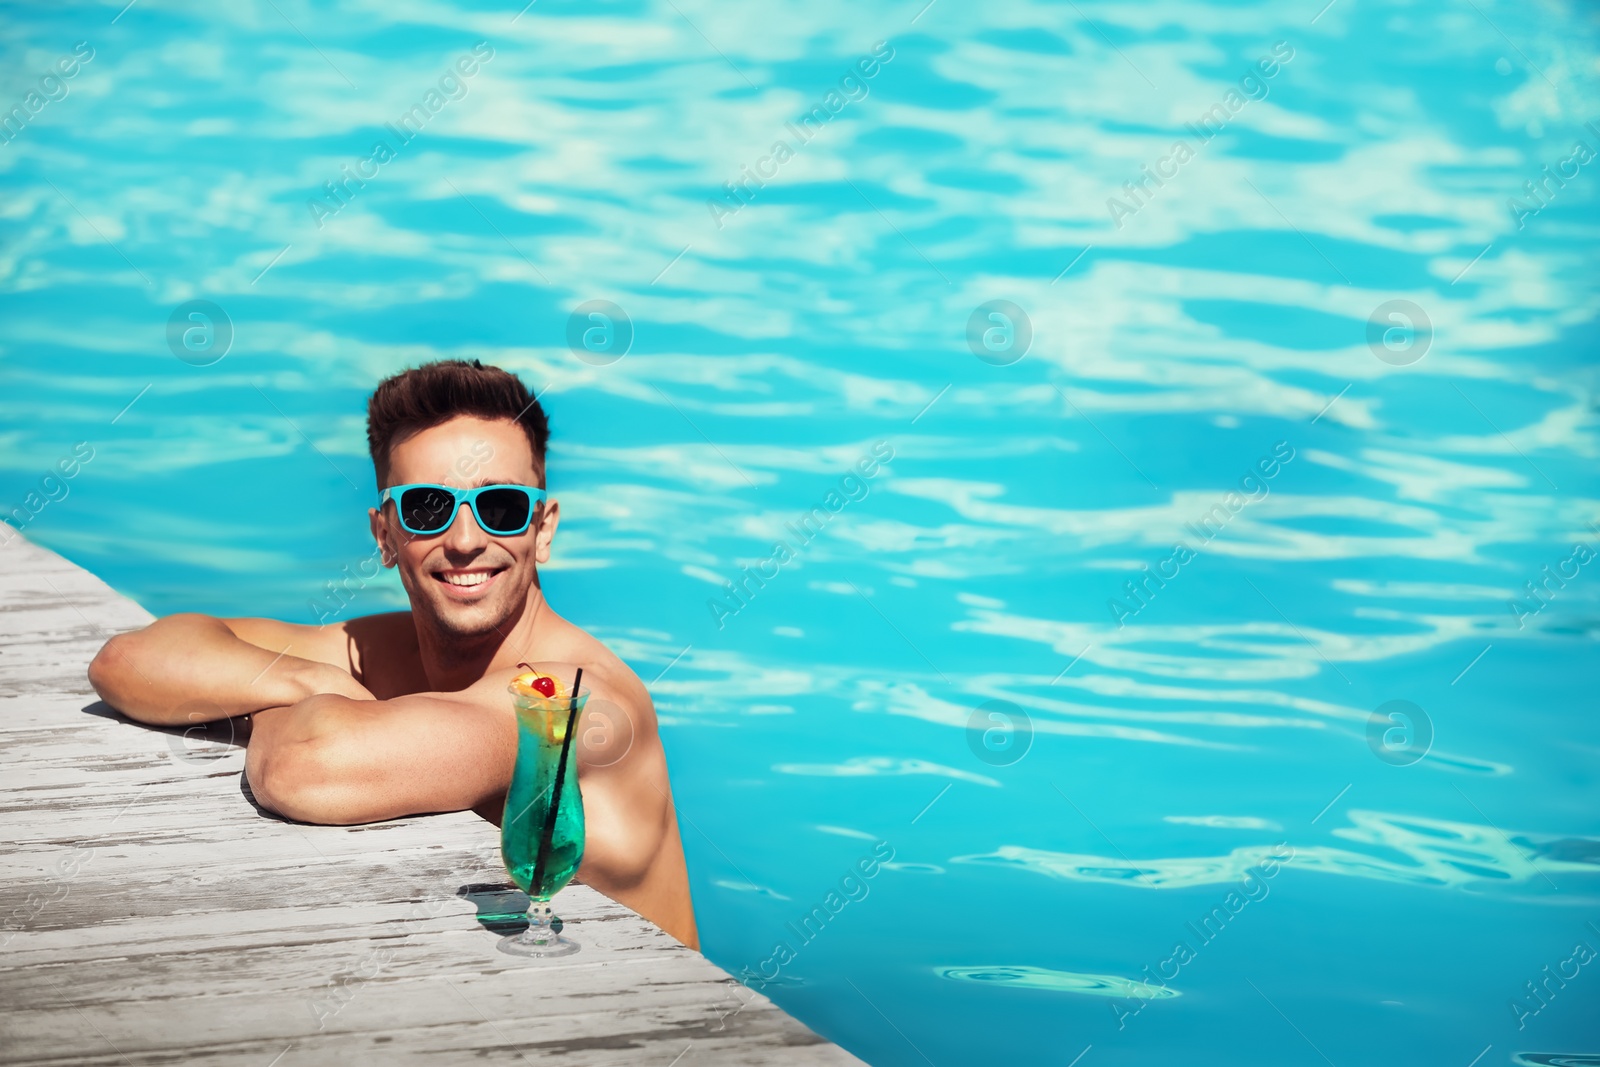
(470, 583)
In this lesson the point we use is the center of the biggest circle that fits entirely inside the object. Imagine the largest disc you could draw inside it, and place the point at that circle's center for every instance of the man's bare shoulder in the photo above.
(606, 678)
(619, 711)
(604, 671)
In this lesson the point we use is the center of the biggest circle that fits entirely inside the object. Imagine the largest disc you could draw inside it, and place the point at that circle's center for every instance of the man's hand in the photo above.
(190, 668)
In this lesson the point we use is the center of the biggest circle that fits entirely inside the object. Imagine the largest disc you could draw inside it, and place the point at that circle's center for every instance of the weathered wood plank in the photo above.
(150, 913)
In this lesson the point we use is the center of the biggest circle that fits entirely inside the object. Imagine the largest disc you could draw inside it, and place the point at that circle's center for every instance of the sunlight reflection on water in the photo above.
(1214, 369)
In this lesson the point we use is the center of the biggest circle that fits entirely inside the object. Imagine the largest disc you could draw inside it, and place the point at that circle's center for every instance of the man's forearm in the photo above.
(185, 669)
(333, 760)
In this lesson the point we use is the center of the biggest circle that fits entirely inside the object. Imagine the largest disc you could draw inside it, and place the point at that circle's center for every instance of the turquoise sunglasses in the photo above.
(425, 508)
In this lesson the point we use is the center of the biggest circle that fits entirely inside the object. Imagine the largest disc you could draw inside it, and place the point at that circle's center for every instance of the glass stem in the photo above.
(540, 915)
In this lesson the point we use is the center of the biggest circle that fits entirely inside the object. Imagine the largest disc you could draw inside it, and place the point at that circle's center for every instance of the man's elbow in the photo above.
(619, 868)
(101, 670)
(299, 782)
(623, 858)
(112, 673)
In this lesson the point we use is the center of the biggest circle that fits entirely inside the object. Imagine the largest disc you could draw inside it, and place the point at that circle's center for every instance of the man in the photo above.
(407, 712)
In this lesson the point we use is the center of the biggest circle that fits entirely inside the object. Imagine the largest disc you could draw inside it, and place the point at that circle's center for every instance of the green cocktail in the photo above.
(541, 830)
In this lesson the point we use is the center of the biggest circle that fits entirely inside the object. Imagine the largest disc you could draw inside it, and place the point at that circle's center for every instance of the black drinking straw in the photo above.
(555, 794)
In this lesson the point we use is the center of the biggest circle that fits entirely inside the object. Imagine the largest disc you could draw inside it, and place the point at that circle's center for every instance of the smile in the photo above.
(468, 584)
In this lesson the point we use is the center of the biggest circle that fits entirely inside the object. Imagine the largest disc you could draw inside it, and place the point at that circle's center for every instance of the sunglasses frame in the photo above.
(536, 496)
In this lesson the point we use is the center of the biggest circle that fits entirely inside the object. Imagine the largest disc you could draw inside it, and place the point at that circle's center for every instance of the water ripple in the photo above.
(1019, 976)
(1437, 853)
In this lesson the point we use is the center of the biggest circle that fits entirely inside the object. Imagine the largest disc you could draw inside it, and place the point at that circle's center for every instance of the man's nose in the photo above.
(465, 535)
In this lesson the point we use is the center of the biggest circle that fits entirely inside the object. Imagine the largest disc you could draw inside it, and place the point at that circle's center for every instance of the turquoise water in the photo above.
(1203, 764)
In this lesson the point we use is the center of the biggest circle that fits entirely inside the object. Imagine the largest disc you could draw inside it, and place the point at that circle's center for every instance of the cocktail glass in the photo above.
(541, 830)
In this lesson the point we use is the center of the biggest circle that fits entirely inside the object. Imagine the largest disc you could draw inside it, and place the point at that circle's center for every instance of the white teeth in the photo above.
(473, 578)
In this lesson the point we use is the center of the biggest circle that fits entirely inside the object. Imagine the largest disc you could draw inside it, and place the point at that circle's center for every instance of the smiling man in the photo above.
(406, 713)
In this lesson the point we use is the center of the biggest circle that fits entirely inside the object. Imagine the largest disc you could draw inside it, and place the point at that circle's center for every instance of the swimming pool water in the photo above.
(1155, 445)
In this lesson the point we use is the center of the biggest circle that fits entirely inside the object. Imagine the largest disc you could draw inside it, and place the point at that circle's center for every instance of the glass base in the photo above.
(529, 946)
(542, 939)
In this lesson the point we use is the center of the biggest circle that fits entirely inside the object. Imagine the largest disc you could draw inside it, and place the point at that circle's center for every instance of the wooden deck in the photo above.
(153, 914)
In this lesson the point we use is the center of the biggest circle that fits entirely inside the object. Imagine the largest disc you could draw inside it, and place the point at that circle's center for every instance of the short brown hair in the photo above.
(437, 392)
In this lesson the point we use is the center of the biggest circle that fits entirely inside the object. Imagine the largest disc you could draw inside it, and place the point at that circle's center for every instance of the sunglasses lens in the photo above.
(504, 510)
(426, 510)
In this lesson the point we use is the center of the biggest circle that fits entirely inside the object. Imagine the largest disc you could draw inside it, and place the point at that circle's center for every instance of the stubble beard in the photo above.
(466, 625)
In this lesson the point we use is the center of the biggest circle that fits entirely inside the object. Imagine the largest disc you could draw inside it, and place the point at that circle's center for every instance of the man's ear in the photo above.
(380, 534)
(548, 521)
